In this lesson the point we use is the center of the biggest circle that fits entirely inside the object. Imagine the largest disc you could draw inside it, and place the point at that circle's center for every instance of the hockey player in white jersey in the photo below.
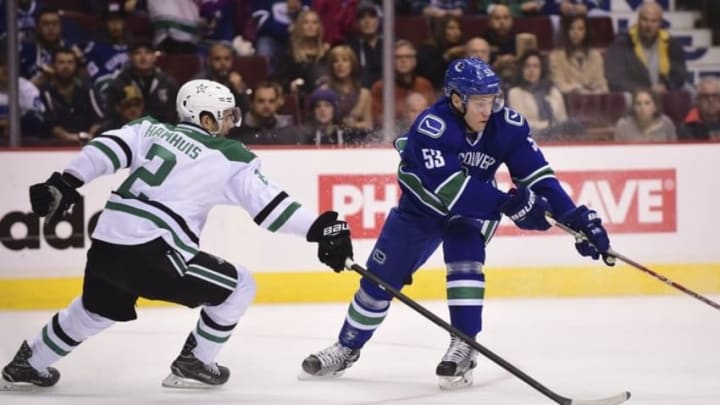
(145, 243)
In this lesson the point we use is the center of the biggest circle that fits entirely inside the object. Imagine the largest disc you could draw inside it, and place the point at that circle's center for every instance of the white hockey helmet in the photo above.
(198, 96)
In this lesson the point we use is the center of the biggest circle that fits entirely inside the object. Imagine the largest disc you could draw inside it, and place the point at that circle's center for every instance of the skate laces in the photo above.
(334, 355)
(458, 351)
(212, 368)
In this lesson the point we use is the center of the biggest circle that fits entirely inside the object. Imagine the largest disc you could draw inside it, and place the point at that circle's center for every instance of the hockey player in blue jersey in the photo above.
(448, 162)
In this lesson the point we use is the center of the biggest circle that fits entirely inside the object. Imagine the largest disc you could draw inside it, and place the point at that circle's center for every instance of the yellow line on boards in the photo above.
(326, 286)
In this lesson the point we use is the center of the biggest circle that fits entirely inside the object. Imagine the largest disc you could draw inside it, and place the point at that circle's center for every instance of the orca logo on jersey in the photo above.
(432, 126)
(513, 117)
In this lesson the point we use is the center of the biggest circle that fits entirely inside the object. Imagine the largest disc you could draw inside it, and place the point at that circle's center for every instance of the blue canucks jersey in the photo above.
(103, 60)
(447, 170)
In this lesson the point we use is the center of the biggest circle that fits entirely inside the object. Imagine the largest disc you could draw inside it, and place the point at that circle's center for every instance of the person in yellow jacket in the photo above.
(646, 56)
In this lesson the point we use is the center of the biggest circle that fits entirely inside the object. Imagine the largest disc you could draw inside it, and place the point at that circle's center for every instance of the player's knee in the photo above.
(234, 306)
(81, 321)
(468, 267)
(371, 302)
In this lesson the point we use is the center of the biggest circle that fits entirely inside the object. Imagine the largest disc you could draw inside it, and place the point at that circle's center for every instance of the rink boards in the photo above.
(659, 203)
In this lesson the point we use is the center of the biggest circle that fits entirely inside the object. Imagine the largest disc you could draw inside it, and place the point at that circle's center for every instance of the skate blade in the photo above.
(304, 376)
(456, 382)
(6, 385)
(173, 381)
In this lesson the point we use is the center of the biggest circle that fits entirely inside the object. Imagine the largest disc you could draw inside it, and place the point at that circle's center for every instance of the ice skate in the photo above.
(187, 371)
(330, 362)
(456, 367)
(19, 375)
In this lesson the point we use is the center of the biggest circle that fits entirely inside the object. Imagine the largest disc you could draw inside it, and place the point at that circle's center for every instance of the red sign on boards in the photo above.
(628, 201)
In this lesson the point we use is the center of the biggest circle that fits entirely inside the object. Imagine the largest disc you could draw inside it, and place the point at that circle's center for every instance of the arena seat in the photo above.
(601, 31)
(253, 69)
(540, 26)
(473, 26)
(77, 5)
(292, 107)
(596, 110)
(676, 104)
(412, 28)
(181, 66)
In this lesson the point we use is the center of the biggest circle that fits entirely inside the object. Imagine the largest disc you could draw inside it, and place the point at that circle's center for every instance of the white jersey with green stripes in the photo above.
(177, 174)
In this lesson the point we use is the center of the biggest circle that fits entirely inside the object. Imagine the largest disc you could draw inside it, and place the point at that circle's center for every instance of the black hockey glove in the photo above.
(55, 197)
(526, 209)
(596, 242)
(333, 238)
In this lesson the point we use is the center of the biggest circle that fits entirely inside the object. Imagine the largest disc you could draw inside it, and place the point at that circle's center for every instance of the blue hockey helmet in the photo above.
(471, 76)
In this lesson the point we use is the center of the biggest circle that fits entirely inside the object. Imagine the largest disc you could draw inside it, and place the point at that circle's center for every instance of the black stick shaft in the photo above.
(642, 268)
(467, 339)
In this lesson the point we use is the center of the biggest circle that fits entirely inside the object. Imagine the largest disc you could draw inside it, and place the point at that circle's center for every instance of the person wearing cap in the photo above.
(368, 43)
(109, 53)
(158, 89)
(322, 127)
(130, 108)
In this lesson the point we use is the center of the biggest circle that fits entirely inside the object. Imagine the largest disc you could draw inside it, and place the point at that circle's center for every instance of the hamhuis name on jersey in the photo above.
(177, 140)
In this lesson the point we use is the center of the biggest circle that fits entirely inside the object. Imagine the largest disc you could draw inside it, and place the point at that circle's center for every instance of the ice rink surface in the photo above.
(665, 350)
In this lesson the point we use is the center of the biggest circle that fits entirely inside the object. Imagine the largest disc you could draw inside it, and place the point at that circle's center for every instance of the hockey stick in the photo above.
(614, 400)
(638, 266)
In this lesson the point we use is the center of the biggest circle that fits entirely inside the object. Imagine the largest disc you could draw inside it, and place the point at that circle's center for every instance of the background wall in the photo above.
(658, 202)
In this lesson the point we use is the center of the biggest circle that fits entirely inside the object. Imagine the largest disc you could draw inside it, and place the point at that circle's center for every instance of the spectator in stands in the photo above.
(262, 124)
(354, 106)
(703, 120)
(338, 18)
(32, 109)
(444, 46)
(534, 96)
(645, 122)
(36, 57)
(414, 104)
(406, 82)
(576, 68)
(217, 19)
(72, 109)
(158, 89)
(219, 68)
(441, 8)
(368, 44)
(130, 107)
(302, 69)
(176, 25)
(517, 8)
(273, 19)
(128, 6)
(646, 56)
(503, 42)
(27, 11)
(323, 126)
(109, 54)
(478, 47)
(569, 8)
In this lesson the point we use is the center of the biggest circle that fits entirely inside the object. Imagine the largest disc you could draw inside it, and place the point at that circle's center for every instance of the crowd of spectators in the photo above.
(322, 82)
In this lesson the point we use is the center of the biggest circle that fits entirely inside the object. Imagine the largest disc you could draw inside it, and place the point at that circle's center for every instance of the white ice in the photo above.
(665, 350)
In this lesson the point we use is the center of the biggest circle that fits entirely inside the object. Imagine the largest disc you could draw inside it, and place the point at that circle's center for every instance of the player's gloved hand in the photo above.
(596, 242)
(333, 238)
(526, 209)
(54, 197)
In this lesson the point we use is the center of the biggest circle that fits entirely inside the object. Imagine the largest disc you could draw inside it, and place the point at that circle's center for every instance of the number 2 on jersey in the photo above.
(433, 158)
(151, 179)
